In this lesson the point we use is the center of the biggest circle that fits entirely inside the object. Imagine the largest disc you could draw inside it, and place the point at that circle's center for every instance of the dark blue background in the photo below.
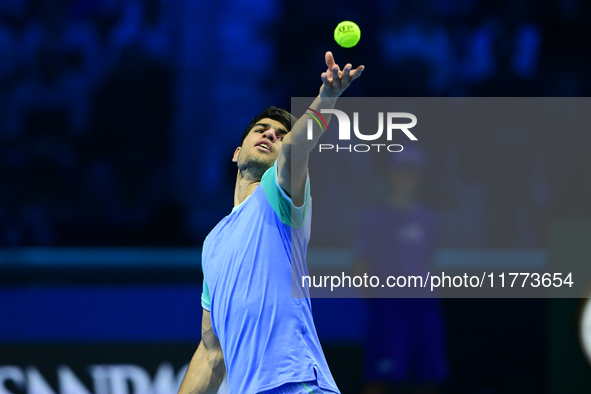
(118, 120)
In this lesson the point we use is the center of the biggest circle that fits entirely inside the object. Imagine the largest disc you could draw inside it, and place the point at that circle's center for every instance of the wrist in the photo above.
(328, 100)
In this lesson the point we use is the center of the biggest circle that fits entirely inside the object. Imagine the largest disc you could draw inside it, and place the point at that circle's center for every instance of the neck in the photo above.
(244, 188)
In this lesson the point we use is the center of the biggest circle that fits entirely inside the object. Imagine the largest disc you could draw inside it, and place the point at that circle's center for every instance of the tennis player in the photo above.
(252, 327)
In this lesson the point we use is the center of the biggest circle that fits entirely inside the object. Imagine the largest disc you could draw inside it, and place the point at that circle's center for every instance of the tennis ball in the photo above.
(347, 34)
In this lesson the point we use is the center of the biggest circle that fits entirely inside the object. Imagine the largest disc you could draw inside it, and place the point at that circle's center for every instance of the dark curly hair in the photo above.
(278, 114)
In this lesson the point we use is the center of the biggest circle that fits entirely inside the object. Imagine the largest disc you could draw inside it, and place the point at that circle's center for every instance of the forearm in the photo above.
(206, 372)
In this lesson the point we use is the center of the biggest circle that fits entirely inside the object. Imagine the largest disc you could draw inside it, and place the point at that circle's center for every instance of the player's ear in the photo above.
(236, 152)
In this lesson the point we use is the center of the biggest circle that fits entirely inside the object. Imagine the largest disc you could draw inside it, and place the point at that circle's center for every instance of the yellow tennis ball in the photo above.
(347, 34)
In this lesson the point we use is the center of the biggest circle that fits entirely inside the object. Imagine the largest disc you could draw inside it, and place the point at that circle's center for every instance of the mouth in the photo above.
(264, 145)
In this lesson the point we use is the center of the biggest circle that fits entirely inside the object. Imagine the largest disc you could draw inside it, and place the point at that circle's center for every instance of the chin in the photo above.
(254, 166)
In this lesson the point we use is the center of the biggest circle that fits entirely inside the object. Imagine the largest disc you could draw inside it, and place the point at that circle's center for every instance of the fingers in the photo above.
(345, 75)
(330, 63)
(332, 75)
(336, 80)
(356, 73)
(333, 72)
(336, 76)
(329, 59)
(341, 79)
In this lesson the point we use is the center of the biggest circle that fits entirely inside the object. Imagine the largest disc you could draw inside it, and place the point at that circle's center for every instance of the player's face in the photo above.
(262, 144)
(406, 179)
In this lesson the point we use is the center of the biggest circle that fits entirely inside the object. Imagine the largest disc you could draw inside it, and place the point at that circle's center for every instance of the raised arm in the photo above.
(207, 369)
(292, 161)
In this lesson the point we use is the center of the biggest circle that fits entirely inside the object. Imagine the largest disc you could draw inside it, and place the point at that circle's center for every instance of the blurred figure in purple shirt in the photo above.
(405, 346)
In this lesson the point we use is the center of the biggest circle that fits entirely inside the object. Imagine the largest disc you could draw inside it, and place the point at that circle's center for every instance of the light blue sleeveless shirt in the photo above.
(267, 336)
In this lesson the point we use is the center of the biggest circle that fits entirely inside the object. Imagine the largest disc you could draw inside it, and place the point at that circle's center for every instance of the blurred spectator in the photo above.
(59, 56)
(419, 36)
(404, 344)
(79, 175)
(38, 168)
(129, 146)
(12, 15)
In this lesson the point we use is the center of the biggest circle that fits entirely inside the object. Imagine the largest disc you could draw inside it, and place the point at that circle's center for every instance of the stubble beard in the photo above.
(252, 167)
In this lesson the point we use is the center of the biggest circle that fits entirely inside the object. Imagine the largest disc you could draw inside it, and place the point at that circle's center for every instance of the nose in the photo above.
(270, 134)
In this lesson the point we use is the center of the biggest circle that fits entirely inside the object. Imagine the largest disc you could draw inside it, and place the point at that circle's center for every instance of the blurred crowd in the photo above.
(88, 106)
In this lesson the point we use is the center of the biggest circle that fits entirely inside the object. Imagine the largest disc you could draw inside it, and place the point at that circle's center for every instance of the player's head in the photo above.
(405, 168)
(280, 115)
(262, 141)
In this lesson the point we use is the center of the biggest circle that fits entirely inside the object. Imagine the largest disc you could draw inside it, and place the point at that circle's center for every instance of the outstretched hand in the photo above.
(335, 81)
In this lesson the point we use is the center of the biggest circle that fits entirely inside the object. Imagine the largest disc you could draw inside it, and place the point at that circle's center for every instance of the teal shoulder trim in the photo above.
(205, 298)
